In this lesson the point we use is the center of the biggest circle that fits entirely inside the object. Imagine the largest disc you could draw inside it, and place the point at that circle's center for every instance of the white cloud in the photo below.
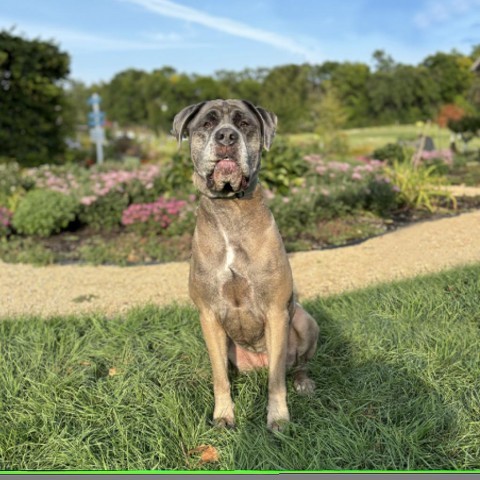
(436, 12)
(81, 41)
(171, 9)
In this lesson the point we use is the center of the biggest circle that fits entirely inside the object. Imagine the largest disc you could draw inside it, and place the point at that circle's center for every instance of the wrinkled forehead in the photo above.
(227, 110)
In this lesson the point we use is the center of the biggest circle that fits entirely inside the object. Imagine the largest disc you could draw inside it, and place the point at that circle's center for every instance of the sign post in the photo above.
(96, 119)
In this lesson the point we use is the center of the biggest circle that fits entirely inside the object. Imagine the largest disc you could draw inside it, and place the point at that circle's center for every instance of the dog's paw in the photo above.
(224, 422)
(304, 386)
(278, 424)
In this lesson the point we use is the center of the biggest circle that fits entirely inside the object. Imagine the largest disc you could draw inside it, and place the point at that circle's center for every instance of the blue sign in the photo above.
(95, 99)
(96, 119)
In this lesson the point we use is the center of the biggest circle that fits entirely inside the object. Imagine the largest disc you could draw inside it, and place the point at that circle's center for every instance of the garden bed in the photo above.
(145, 214)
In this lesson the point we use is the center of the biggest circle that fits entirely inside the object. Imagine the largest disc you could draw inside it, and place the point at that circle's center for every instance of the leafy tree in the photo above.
(32, 118)
(123, 98)
(451, 74)
(286, 92)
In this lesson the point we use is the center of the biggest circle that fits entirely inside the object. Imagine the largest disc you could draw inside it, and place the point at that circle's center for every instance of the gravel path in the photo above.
(416, 249)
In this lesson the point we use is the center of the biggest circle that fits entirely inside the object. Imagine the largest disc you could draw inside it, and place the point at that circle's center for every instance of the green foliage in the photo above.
(177, 174)
(389, 93)
(418, 187)
(32, 118)
(391, 152)
(283, 166)
(468, 127)
(330, 115)
(13, 185)
(105, 213)
(25, 250)
(44, 212)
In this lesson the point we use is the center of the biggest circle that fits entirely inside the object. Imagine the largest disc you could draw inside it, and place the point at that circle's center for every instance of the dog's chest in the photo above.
(239, 309)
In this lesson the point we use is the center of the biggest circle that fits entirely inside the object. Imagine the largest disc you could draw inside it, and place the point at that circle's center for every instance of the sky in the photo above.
(104, 37)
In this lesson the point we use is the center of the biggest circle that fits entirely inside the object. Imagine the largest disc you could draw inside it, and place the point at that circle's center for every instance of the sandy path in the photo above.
(420, 248)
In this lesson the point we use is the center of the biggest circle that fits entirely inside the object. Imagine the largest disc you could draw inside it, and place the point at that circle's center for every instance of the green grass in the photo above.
(397, 373)
(365, 140)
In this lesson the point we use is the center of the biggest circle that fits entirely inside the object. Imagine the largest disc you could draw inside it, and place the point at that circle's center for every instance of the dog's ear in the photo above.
(268, 123)
(182, 119)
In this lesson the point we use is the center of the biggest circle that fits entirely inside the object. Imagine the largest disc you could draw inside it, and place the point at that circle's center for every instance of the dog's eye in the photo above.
(244, 124)
(207, 124)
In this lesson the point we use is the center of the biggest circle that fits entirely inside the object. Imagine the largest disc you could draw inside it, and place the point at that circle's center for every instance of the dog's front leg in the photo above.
(217, 346)
(276, 335)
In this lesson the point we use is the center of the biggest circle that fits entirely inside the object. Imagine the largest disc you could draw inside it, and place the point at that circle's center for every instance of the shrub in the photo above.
(467, 127)
(44, 212)
(418, 187)
(13, 184)
(390, 152)
(283, 166)
(177, 174)
(103, 212)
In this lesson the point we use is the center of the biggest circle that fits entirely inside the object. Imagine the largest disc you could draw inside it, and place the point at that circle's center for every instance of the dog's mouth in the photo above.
(227, 176)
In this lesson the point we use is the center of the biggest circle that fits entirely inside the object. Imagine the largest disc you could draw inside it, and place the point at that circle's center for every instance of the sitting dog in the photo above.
(240, 276)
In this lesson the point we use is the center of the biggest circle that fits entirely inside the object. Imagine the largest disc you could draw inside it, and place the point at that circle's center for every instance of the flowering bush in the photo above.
(58, 179)
(108, 193)
(159, 214)
(441, 159)
(5, 221)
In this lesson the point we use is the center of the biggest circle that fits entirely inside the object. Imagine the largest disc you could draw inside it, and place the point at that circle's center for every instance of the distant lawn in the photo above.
(397, 371)
(365, 140)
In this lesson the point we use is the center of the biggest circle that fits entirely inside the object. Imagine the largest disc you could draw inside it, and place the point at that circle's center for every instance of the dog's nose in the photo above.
(226, 136)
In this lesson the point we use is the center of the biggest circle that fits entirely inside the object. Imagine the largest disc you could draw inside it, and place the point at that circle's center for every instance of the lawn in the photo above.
(397, 375)
(367, 139)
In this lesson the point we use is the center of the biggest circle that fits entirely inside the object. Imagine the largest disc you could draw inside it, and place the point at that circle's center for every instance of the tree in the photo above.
(32, 118)
(451, 74)
(286, 92)
(123, 98)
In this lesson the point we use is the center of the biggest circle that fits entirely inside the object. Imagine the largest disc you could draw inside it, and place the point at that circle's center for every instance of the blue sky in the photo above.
(104, 37)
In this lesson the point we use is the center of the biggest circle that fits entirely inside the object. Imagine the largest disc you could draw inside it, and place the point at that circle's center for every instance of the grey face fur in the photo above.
(226, 141)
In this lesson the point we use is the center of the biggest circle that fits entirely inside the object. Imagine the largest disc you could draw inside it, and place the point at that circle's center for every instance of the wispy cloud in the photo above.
(81, 41)
(171, 9)
(436, 12)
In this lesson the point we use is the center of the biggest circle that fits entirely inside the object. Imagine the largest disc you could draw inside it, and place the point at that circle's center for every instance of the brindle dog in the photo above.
(240, 276)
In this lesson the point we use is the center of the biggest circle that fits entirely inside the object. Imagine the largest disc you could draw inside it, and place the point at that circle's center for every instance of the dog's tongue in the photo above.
(226, 167)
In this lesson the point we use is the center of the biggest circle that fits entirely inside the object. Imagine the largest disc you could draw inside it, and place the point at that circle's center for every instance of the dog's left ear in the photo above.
(182, 119)
(268, 123)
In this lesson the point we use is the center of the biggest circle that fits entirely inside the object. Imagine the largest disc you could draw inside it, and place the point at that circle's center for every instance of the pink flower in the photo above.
(356, 176)
(5, 216)
(88, 200)
(162, 211)
(269, 195)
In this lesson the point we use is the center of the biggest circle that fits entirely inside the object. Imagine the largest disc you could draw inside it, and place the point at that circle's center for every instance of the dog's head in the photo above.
(226, 142)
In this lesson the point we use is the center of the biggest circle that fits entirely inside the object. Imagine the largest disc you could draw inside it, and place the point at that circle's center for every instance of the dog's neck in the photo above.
(253, 199)
(199, 182)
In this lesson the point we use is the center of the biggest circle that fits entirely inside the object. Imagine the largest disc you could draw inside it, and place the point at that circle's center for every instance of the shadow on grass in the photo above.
(365, 415)
(396, 370)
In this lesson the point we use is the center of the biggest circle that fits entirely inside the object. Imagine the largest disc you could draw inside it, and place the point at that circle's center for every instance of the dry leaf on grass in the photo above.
(209, 454)
(112, 371)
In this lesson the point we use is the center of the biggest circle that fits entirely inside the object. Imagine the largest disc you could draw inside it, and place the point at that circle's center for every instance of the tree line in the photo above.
(40, 105)
(354, 94)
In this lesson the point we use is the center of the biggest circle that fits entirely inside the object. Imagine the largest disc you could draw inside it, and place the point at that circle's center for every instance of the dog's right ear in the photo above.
(182, 119)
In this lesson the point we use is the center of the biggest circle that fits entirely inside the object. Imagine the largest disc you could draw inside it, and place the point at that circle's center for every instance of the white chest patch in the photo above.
(230, 253)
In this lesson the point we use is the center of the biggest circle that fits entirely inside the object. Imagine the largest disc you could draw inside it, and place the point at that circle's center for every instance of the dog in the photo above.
(240, 277)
